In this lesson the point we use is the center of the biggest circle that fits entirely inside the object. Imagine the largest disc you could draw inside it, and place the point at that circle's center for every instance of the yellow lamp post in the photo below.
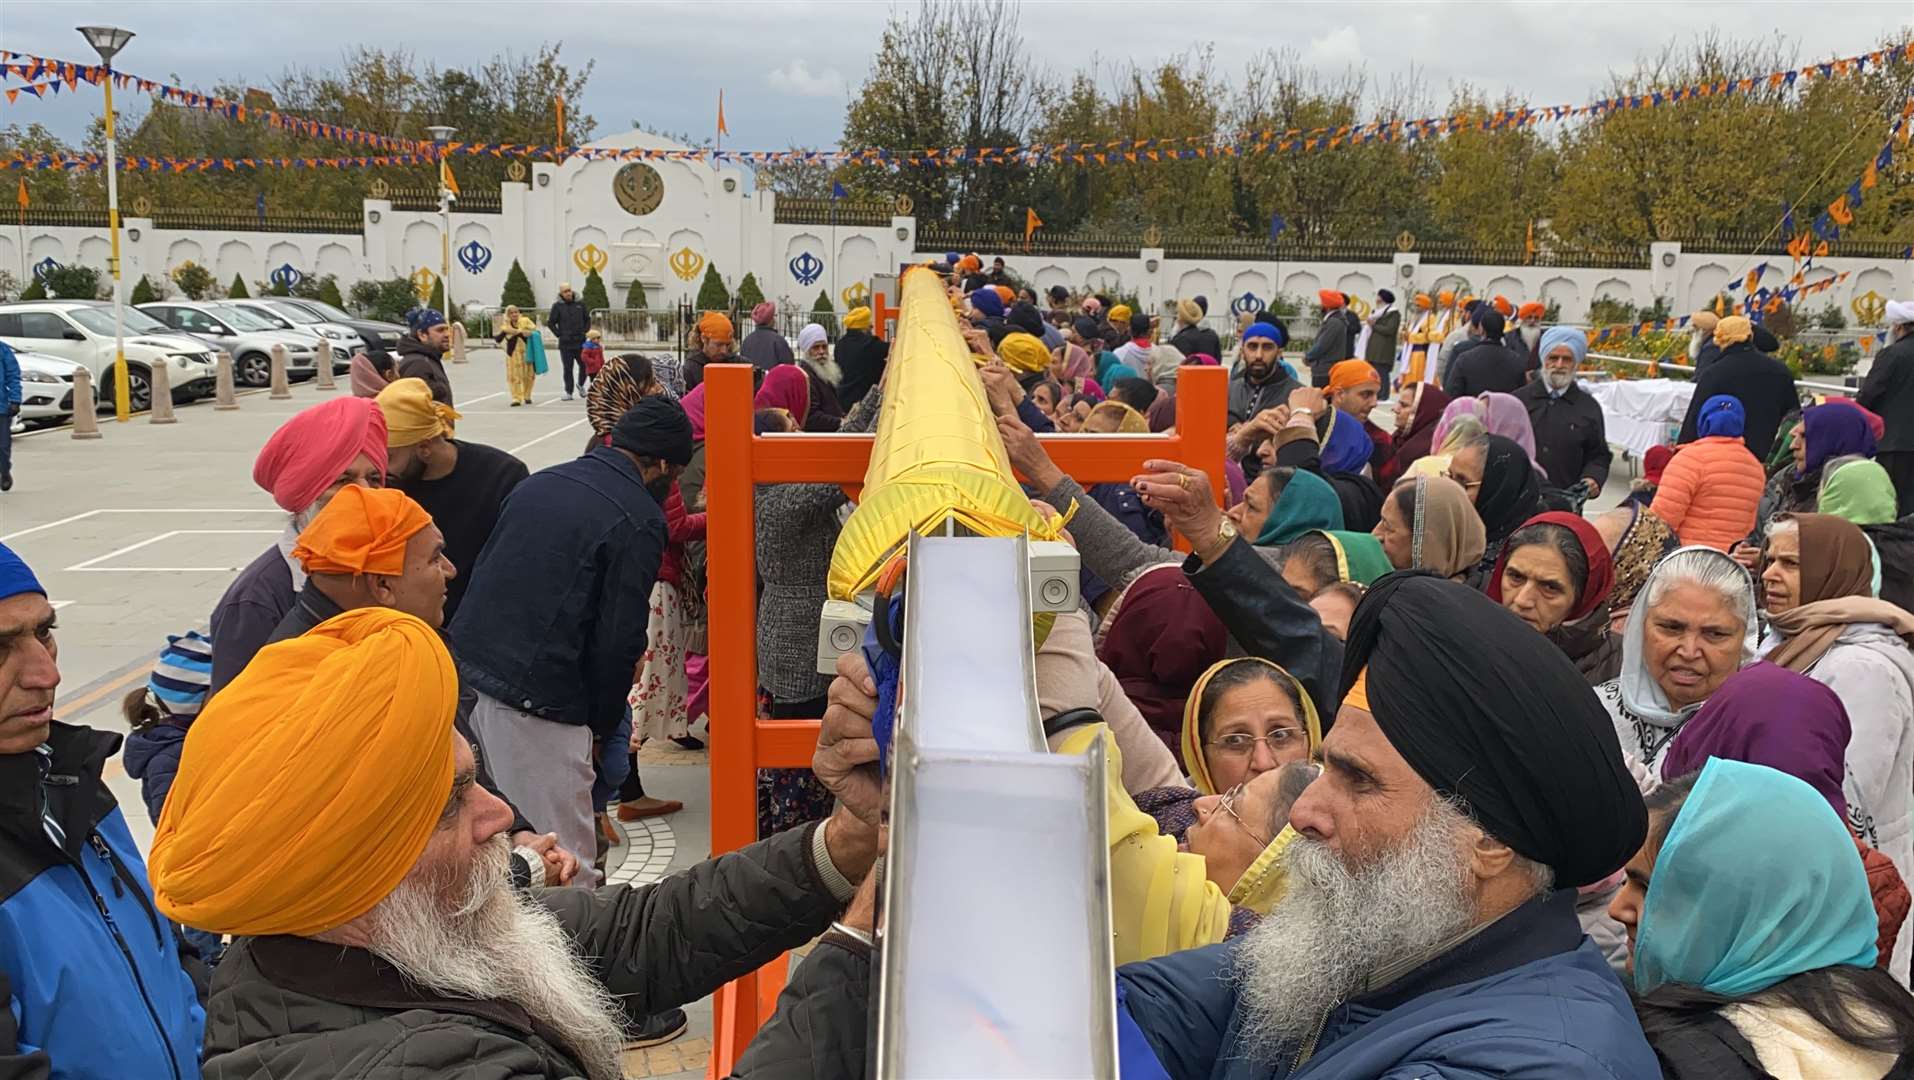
(108, 41)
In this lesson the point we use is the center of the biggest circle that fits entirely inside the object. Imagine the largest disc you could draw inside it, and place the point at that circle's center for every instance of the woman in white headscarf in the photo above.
(1692, 626)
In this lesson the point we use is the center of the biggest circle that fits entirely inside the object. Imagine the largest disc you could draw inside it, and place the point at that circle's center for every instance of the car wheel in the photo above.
(254, 369)
(139, 389)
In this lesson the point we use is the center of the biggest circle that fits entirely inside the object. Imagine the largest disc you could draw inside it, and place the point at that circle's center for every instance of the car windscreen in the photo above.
(243, 319)
(100, 321)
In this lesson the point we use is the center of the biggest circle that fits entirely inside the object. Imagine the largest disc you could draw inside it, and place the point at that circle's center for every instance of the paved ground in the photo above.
(137, 534)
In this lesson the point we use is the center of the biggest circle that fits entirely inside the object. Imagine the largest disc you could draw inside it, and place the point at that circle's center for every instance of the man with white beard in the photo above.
(814, 356)
(1571, 434)
(328, 815)
(1527, 338)
(1428, 929)
(1702, 349)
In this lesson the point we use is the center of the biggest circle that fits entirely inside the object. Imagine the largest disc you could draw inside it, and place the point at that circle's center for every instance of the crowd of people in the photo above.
(1417, 767)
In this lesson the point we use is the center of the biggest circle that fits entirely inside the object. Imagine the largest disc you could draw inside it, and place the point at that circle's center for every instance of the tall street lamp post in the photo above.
(440, 134)
(108, 41)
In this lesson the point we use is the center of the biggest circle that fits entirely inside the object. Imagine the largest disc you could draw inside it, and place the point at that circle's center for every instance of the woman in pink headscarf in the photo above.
(1071, 366)
(1500, 414)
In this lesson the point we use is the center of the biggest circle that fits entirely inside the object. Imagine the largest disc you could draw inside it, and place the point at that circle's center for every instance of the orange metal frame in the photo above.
(741, 743)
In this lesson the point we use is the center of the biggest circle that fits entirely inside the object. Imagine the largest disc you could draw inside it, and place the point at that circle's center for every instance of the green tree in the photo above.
(437, 302)
(194, 280)
(143, 291)
(712, 295)
(518, 289)
(635, 296)
(824, 305)
(388, 300)
(594, 296)
(238, 290)
(1490, 184)
(35, 290)
(749, 295)
(73, 282)
(329, 292)
(275, 288)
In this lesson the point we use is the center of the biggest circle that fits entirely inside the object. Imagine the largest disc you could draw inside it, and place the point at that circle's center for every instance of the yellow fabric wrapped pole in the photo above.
(937, 456)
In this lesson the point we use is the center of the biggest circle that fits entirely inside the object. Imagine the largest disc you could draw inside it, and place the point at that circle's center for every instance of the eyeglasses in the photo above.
(1467, 485)
(1227, 804)
(1242, 743)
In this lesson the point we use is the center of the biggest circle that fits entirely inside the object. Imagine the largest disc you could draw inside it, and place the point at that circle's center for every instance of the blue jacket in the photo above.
(11, 392)
(1526, 997)
(554, 620)
(90, 968)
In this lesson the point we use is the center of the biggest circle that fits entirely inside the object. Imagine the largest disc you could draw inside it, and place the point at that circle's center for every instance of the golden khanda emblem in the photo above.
(639, 188)
(1870, 308)
(904, 206)
(422, 281)
(1405, 241)
(589, 258)
(686, 263)
(380, 189)
(142, 206)
(1358, 305)
(857, 295)
(1152, 237)
(515, 171)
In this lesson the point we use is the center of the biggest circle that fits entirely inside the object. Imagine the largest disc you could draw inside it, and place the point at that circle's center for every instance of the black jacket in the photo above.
(1571, 439)
(1894, 542)
(1246, 398)
(1264, 615)
(1198, 339)
(1706, 356)
(1763, 385)
(555, 618)
(1889, 391)
(1490, 366)
(1331, 347)
(1381, 350)
(422, 360)
(295, 1009)
(861, 355)
(570, 321)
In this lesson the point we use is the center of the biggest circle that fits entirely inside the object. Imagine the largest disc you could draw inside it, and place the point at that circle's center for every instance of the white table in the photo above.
(1640, 413)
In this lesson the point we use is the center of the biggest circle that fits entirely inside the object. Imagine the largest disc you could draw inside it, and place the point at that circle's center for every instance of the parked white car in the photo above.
(46, 385)
(82, 331)
(242, 332)
(339, 339)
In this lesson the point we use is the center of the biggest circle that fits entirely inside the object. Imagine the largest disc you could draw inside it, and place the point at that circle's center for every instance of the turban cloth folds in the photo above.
(361, 531)
(310, 451)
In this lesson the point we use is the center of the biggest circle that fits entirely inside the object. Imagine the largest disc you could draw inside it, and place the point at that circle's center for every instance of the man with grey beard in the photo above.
(1428, 929)
(363, 871)
(1571, 435)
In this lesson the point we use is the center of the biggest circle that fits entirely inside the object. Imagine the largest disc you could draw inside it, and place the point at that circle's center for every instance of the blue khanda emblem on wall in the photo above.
(475, 257)
(44, 267)
(286, 277)
(807, 268)
(1247, 304)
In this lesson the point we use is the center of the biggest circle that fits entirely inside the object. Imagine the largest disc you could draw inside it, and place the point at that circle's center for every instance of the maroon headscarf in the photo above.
(1601, 567)
(1161, 637)
(1419, 440)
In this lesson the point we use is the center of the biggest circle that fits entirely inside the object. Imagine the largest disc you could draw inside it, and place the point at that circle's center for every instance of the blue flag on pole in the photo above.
(1787, 219)
(1276, 225)
(837, 190)
(259, 207)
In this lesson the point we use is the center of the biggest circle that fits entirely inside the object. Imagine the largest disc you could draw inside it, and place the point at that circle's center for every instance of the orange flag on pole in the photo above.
(1031, 223)
(445, 177)
(24, 201)
(561, 119)
(722, 130)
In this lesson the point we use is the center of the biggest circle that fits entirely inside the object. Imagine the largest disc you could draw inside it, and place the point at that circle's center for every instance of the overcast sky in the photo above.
(788, 69)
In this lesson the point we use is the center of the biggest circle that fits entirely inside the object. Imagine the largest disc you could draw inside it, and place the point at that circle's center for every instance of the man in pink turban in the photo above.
(764, 347)
(305, 463)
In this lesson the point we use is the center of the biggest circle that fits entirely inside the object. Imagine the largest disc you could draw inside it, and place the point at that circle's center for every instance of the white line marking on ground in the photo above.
(542, 438)
(476, 400)
(138, 510)
(88, 564)
(52, 524)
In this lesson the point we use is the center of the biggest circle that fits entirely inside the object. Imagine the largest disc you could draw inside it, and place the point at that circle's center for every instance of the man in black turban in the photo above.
(1428, 926)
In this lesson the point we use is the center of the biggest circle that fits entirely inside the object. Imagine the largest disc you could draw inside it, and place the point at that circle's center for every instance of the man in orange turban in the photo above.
(1354, 386)
(461, 484)
(1335, 337)
(369, 548)
(717, 344)
(312, 457)
(1525, 335)
(327, 813)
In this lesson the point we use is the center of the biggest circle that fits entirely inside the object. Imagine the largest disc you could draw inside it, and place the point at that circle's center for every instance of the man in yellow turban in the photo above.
(461, 485)
(328, 815)
(1025, 354)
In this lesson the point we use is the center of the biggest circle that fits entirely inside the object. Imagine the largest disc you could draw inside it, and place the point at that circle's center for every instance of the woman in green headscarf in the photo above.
(1320, 558)
(1859, 490)
(1282, 504)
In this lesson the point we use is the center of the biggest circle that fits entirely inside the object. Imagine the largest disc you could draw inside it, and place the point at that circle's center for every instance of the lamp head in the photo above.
(440, 132)
(106, 40)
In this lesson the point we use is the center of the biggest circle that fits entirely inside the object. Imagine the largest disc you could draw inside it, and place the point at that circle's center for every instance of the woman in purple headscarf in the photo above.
(1837, 429)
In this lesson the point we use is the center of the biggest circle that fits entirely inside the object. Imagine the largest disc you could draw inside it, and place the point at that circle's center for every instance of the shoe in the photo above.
(658, 808)
(6, 481)
(609, 832)
(689, 742)
(568, 397)
(655, 1030)
(516, 404)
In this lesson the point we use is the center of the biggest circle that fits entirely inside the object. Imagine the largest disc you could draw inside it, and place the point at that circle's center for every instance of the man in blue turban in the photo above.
(422, 352)
(1571, 441)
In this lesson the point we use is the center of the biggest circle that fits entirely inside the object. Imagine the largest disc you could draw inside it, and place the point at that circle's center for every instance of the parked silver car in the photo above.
(242, 332)
(82, 330)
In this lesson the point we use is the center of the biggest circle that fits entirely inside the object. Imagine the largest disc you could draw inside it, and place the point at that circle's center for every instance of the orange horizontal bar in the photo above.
(837, 459)
(786, 744)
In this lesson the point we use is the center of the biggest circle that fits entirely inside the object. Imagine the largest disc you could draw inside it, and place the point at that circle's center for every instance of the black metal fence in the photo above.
(791, 210)
(475, 201)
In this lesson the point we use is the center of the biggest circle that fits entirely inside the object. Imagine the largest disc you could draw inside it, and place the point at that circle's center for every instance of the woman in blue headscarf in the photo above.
(1710, 491)
(1752, 934)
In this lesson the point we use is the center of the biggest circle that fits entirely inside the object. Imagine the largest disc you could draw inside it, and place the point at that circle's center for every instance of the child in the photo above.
(591, 357)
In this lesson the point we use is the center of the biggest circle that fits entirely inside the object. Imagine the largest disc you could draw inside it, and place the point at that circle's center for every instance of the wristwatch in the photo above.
(1225, 534)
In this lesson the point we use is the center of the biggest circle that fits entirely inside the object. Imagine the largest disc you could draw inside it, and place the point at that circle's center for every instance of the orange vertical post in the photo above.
(736, 461)
(881, 318)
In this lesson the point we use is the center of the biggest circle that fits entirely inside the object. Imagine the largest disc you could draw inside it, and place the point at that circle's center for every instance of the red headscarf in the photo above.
(1655, 462)
(1601, 568)
(310, 451)
(694, 411)
(1159, 639)
(786, 387)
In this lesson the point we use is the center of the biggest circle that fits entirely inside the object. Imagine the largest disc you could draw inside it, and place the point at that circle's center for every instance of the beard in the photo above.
(1531, 335)
(1336, 926)
(470, 935)
(660, 488)
(826, 369)
(1694, 346)
(1558, 380)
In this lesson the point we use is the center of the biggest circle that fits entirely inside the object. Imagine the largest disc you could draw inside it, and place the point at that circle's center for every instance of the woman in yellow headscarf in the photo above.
(1246, 718)
(514, 333)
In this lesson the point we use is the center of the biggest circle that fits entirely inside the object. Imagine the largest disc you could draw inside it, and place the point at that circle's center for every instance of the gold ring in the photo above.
(1183, 480)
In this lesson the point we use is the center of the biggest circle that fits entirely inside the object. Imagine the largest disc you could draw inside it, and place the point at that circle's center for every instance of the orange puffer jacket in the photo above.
(1710, 492)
